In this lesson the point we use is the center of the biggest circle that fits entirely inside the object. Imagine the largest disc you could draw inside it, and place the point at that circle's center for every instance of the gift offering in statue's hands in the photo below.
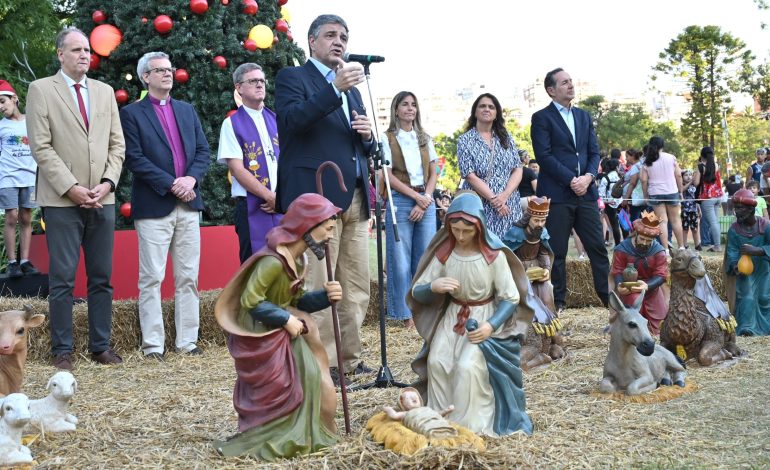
(536, 273)
(630, 284)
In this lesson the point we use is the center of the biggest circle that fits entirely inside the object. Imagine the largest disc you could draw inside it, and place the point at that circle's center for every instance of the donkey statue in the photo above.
(635, 364)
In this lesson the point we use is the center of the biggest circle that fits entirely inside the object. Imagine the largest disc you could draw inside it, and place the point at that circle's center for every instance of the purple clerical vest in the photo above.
(254, 159)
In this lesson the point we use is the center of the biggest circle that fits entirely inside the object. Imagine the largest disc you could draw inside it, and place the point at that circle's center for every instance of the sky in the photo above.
(439, 47)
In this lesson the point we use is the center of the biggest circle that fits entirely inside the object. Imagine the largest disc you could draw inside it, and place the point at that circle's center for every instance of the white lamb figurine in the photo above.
(49, 414)
(14, 415)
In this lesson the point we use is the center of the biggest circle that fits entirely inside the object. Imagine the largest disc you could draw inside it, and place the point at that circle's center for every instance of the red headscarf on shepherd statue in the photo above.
(307, 211)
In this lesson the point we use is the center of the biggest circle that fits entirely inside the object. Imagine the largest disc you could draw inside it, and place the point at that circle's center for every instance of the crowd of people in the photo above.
(66, 156)
(690, 203)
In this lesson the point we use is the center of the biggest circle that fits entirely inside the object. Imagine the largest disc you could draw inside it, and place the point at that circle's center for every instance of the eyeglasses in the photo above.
(254, 81)
(162, 70)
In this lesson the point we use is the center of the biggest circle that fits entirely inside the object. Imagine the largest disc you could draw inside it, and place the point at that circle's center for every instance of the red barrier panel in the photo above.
(219, 261)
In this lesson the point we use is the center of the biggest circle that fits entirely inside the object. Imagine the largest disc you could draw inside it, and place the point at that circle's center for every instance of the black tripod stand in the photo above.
(384, 376)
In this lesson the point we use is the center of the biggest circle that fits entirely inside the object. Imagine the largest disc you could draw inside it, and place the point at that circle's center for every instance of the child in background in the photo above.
(690, 208)
(17, 181)
(761, 209)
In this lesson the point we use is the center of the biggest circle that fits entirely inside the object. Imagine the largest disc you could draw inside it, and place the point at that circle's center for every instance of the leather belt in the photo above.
(419, 189)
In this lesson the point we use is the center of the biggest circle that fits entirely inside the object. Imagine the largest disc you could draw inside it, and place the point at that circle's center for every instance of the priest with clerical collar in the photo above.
(168, 156)
(248, 144)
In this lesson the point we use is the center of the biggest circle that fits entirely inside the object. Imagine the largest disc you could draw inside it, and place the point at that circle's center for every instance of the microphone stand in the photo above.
(384, 376)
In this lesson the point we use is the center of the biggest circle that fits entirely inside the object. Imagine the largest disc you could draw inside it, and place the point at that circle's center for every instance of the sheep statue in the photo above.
(14, 415)
(50, 414)
(635, 364)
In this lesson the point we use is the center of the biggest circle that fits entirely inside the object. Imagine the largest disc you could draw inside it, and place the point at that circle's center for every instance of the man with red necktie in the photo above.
(75, 137)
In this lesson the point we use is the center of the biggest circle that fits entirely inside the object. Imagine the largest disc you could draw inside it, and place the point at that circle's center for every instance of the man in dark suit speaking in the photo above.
(565, 145)
(321, 117)
(168, 155)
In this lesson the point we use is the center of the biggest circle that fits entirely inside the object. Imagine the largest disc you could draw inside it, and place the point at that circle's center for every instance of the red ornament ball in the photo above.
(250, 45)
(144, 20)
(225, 2)
(250, 7)
(163, 24)
(231, 112)
(283, 2)
(181, 76)
(199, 7)
(105, 38)
(220, 61)
(98, 16)
(125, 209)
(121, 96)
(289, 36)
(281, 25)
(95, 61)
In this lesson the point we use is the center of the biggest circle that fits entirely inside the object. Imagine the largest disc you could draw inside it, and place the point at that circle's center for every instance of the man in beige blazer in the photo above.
(76, 138)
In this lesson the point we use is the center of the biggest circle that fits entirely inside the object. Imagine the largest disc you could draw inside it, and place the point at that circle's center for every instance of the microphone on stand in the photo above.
(362, 59)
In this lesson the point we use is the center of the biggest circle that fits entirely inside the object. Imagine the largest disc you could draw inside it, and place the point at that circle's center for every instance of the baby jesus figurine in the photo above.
(419, 418)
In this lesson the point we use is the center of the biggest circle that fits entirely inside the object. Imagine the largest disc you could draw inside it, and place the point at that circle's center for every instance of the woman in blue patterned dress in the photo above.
(490, 165)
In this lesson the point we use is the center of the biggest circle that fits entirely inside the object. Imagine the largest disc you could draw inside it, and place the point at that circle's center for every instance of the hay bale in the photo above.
(373, 311)
(126, 334)
(580, 281)
(580, 285)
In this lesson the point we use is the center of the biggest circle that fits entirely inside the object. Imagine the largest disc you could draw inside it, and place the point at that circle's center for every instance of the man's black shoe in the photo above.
(160, 357)
(336, 377)
(28, 269)
(361, 368)
(14, 270)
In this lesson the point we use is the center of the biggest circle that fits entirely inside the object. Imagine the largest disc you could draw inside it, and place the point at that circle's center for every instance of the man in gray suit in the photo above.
(76, 138)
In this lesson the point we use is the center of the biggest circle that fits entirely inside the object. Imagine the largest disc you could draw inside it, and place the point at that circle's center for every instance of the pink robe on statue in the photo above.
(655, 305)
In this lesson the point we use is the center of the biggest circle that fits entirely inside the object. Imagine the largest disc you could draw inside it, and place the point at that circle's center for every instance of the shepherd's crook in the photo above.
(330, 277)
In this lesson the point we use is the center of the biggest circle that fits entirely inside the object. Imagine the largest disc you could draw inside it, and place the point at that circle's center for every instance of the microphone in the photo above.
(362, 59)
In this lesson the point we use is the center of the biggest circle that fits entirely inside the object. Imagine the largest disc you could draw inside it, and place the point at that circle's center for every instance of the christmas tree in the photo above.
(206, 41)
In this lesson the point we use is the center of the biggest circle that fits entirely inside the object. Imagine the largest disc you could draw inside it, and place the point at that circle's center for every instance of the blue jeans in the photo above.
(709, 209)
(705, 230)
(404, 255)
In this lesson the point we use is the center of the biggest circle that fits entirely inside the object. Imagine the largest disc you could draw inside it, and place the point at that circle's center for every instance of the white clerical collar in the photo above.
(252, 111)
(163, 102)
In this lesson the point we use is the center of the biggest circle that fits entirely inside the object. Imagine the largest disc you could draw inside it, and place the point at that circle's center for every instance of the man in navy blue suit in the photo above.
(565, 145)
(321, 118)
(168, 155)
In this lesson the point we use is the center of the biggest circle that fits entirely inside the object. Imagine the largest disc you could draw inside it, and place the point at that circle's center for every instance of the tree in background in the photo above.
(710, 63)
(627, 125)
(747, 131)
(673, 139)
(27, 30)
(520, 133)
(206, 40)
(446, 148)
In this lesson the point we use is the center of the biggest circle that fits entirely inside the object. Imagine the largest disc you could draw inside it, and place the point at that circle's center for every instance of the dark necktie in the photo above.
(81, 104)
